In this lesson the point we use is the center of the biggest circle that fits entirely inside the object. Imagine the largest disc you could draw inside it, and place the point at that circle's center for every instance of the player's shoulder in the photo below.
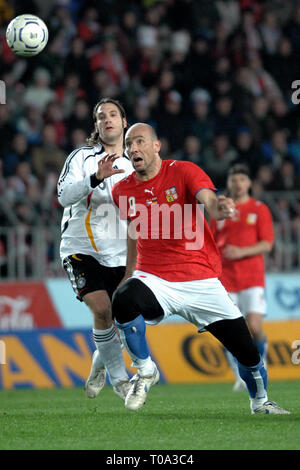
(124, 183)
(259, 204)
(84, 152)
(182, 165)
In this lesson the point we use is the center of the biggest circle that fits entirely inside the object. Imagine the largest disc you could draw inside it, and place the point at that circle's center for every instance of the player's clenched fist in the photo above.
(226, 207)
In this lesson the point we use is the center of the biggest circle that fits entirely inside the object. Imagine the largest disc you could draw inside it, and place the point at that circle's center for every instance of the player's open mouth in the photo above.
(137, 159)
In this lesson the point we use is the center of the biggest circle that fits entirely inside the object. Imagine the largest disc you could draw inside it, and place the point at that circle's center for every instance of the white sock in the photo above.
(109, 347)
(97, 363)
(233, 365)
(145, 366)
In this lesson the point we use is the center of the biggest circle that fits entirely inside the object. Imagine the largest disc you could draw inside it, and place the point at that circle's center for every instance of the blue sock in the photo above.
(135, 336)
(256, 379)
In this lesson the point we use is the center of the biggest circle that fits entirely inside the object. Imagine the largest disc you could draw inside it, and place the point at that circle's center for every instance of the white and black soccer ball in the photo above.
(27, 35)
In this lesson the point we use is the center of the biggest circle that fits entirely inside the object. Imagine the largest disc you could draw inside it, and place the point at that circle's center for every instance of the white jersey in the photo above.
(91, 223)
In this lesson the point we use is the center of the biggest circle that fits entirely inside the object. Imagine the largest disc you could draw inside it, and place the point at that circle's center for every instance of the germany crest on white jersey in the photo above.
(91, 223)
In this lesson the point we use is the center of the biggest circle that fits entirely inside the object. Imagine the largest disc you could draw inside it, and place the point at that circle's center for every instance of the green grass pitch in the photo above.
(175, 417)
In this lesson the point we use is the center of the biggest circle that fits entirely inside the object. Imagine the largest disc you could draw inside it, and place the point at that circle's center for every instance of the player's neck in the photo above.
(242, 199)
(114, 147)
(150, 172)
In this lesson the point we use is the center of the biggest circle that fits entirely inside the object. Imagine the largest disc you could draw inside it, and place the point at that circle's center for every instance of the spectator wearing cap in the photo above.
(171, 123)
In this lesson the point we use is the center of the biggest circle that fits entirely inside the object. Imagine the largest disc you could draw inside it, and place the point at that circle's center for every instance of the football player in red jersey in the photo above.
(243, 241)
(167, 274)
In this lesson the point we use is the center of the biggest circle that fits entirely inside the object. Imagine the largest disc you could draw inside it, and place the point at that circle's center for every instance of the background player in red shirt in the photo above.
(166, 274)
(243, 241)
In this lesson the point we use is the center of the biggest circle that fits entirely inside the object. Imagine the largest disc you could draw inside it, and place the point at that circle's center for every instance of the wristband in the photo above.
(94, 181)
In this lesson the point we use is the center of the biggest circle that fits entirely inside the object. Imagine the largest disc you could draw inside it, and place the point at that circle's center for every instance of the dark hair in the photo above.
(94, 138)
(239, 168)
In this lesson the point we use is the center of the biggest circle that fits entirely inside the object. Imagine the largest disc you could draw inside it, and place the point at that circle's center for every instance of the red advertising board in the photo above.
(24, 306)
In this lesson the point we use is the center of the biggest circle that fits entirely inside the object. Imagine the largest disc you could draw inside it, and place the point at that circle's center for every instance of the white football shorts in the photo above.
(199, 302)
(250, 300)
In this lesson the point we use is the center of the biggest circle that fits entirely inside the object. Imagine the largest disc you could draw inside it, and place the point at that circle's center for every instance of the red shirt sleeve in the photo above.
(195, 178)
(265, 224)
(121, 202)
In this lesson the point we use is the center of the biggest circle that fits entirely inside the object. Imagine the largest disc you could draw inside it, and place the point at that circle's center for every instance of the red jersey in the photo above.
(253, 223)
(171, 218)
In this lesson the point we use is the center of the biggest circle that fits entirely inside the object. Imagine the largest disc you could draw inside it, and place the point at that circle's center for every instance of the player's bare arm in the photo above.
(105, 167)
(238, 252)
(218, 208)
(131, 254)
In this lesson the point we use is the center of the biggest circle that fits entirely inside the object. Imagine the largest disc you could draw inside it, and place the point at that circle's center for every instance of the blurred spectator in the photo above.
(171, 122)
(81, 118)
(77, 139)
(247, 152)
(258, 120)
(191, 151)
(76, 61)
(47, 156)
(68, 92)
(142, 112)
(31, 124)
(217, 158)
(270, 32)
(225, 118)
(284, 65)
(111, 60)
(200, 122)
(261, 81)
(199, 65)
(286, 178)
(6, 128)
(40, 93)
(294, 150)
(18, 152)
(54, 115)
(276, 149)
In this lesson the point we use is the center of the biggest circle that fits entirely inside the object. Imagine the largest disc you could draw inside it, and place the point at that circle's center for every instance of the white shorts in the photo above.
(199, 302)
(250, 300)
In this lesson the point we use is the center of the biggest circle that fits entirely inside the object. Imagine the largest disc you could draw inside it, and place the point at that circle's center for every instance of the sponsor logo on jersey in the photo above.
(171, 194)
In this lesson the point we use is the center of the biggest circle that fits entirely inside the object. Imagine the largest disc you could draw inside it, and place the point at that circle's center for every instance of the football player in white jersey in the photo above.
(93, 250)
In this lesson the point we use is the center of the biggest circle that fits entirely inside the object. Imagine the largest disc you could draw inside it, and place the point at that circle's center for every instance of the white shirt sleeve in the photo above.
(73, 184)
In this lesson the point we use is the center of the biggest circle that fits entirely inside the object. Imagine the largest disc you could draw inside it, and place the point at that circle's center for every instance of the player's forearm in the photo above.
(131, 256)
(69, 192)
(256, 249)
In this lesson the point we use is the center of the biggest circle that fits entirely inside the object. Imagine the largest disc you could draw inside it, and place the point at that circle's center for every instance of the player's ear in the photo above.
(157, 146)
(124, 123)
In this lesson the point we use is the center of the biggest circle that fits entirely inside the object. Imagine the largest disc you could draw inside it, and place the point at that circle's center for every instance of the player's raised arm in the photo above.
(217, 207)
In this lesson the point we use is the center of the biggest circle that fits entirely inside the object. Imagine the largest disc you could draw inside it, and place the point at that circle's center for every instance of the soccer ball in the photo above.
(27, 35)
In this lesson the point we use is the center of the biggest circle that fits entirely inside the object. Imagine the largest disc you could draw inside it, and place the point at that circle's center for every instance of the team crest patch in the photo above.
(171, 194)
(251, 219)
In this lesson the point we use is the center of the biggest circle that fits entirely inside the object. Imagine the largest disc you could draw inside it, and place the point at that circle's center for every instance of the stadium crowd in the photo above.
(213, 77)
